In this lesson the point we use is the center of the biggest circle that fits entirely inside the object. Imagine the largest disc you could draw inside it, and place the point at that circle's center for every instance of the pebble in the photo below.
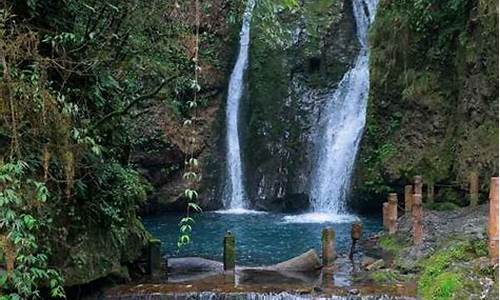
(354, 291)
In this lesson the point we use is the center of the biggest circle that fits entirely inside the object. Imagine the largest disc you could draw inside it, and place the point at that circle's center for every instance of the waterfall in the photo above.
(234, 192)
(343, 128)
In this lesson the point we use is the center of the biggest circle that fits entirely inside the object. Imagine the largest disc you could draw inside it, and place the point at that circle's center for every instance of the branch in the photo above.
(130, 105)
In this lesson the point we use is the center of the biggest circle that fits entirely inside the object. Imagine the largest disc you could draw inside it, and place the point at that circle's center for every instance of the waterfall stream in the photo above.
(234, 192)
(343, 126)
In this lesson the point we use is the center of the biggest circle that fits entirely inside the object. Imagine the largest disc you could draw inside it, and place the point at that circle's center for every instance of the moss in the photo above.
(446, 273)
(392, 243)
(384, 276)
(443, 287)
(441, 206)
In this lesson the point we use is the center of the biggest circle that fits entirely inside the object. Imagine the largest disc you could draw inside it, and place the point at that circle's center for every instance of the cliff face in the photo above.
(296, 58)
(433, 97)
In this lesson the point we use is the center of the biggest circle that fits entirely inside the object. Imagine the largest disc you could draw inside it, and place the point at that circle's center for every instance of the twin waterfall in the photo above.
(341, 130)
(234, 193)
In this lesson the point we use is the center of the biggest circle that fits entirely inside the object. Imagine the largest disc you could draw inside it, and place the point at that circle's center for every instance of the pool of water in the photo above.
(261, 238)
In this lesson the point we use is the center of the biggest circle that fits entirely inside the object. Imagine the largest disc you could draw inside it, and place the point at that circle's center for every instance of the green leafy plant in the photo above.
(26, 257)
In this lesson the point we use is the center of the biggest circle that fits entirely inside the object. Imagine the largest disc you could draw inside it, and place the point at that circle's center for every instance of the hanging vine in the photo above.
(191, 174)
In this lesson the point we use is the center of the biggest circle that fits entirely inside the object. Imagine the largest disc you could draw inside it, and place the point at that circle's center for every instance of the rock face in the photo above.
(290, 74)
(96, 257)
(433, 99)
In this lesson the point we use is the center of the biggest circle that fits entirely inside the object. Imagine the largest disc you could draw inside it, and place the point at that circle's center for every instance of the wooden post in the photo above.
(408, 198)
(474, 188)
(417, 185)
(328, 246)
(392, 212)
(430, 192)
(356, 231)
(493, 221)
(417, 215)
(229, 252)
(385, 215)
(154, 257)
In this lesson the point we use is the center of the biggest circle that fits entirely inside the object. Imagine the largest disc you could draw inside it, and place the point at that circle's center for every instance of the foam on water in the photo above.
(239, 211)
(320, 218)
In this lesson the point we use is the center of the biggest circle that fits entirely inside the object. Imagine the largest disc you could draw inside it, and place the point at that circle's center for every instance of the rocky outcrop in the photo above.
(433, 99)
(97, 255)
(296, 59)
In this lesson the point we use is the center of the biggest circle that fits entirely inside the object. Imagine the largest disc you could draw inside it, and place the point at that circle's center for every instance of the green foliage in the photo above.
(113, 207)
(428, 60)
(74, 77)
(20, 198)
(444, 287)
(441, 206)
(440, 279)
(392, 243)
(269, 24)
(384, 276)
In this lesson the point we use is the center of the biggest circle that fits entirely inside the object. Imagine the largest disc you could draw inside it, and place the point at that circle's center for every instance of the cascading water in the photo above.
(234, 193)
(344, 124)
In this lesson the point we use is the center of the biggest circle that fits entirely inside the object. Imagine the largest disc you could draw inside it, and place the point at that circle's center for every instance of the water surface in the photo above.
(261, 239)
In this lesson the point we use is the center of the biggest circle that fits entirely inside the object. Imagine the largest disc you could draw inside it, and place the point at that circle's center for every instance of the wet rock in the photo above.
(367, 260)
(289, 87)
(308, 261)
(292, 203)
(354, 291)
(193, 265)
(375, 265)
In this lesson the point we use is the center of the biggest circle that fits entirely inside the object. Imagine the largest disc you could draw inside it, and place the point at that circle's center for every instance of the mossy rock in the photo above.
(393, 244)
(100, 255)
(384, 276)
(454, 272)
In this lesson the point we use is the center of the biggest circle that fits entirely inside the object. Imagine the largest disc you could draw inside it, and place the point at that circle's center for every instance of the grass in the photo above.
(392, 244)
(384, 276)
(442, 206)
(437, 281)
(444, 287)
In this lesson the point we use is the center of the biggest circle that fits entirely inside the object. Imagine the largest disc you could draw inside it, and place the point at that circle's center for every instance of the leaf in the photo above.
(3, 279)
(185, 239)
(195, 206)
(186, 220)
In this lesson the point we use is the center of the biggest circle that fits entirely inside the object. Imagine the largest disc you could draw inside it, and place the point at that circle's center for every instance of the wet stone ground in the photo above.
(210, 282)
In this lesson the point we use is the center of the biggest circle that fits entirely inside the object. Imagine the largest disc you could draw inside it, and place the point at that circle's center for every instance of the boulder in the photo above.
(193, 265)
(308, 261)
(376, 265)
(367, 260)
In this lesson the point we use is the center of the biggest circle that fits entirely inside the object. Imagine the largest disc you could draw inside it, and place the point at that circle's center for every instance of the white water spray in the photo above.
(234, 192)
(345, 121)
